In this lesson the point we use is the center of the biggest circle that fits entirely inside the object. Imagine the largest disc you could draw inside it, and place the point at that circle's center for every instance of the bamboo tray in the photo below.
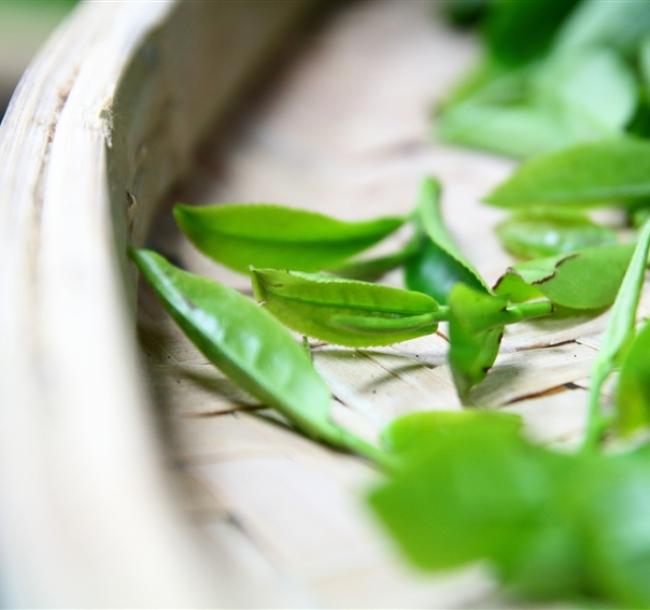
(131, 472)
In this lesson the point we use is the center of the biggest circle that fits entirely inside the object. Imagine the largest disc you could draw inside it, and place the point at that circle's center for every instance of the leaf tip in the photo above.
(257, 284)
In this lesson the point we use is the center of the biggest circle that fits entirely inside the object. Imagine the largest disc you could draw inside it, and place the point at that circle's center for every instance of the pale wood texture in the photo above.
(346, 130)
(101, 124)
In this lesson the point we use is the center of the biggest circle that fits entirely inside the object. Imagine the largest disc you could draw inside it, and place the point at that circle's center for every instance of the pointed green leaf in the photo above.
(618, 334)
(543, 233)
(633, 390)
(475, 334)
(346, 312)
(241, 235)
(620, 327)
(372, 269)
(248, 344)
(588, 279)
(609, 171)
(439, 265)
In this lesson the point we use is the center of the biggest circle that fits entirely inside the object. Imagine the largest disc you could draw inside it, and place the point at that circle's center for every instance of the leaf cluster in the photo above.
(461, 487)
(566, 82)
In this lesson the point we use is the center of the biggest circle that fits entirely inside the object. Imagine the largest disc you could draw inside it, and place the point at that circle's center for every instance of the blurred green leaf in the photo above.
(633, 389)
(543, 233)
(517, 32)
(554, 526)
(617, 25)
(611, 171)
(554, 104)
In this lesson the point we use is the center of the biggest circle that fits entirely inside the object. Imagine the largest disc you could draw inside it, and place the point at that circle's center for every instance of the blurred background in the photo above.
(24, 26)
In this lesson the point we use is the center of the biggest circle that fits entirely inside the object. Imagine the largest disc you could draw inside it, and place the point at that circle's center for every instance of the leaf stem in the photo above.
(355, 444)
(525, 311)
(515, 312)
(596, 422)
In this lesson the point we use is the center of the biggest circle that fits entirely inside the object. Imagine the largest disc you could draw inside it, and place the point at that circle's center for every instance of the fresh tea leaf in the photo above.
(346, 312)
(518, 131)
(555, 104)
(554, 526)
(588, 279)
(620, 327)
(633, 390)
(543, 233)
(571, 87)
(618, 25)
(247, 343)
(610, 171)
(439, 265)
(241, 235)
(518, 32)
(472, 491)
(410, 435)
(619, 332)
(372, 269)
(475, 334)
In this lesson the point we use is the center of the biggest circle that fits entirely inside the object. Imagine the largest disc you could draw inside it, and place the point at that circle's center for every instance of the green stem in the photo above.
(355, 444)
(517, 312)
(374, 268)
(596, 422)
(441, 314)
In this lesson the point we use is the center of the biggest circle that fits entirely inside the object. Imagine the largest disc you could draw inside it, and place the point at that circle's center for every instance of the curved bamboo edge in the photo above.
(102, 123)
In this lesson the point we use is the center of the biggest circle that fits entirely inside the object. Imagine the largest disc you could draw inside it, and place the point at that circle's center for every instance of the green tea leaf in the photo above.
(470, 491)
(588, 279)
(514, 131)
(439, 265)
(554, 526)
(346, 312)
(570, 86)
(241, 235)
(615, 504)
(618, 25)
(618, 334)
(620, 327)
(639, 123)
(587, 174)
(633, 390)
(474, 335)
(372, 269)
(247, 343)
(543, 233)
(488, 82)
(410, 436)
(518, 32)
(550, 106)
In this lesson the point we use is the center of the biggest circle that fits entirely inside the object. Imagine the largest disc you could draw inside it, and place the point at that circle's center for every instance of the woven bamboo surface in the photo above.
(346, 129)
